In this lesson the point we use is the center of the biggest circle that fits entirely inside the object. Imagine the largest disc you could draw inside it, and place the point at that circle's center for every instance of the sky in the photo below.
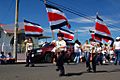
(35, 11)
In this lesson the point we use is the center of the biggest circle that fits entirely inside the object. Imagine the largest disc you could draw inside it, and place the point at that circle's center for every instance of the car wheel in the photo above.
(48, 57)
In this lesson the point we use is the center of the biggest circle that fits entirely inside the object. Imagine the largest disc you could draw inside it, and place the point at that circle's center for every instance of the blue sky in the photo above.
(35, 11)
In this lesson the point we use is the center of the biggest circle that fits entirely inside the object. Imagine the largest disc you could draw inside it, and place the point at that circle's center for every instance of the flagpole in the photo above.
(16, 30)
(45, 1)
(76, 34)
(53, 34)
(51, 30)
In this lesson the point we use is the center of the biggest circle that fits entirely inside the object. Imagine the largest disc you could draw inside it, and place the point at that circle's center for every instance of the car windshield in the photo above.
(46, 45)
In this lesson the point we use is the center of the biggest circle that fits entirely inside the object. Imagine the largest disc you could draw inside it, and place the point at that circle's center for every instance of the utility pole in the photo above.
(16, 30)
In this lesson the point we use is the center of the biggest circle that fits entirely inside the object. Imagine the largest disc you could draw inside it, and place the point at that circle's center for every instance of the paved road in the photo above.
(47, 72)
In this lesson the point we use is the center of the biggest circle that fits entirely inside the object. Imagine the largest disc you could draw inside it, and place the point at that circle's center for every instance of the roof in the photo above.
(1, 25)
(9, 28)
(44, 37)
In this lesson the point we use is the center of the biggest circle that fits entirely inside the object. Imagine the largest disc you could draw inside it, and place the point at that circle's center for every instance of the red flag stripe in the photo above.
(55, 11)
(33, 28)
(107, 40)
(55, 16)
(67, 35)
(57, 22)
(102, 28)
(98, 38)
(93, 36)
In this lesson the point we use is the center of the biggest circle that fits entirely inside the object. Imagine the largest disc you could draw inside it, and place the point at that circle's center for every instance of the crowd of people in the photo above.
(92, 52)
(97, 53)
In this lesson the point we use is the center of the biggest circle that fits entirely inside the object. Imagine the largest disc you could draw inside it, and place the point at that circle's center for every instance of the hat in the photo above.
(60, 35)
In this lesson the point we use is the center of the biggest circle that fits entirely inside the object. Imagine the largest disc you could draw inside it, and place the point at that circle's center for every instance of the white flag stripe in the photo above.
(55, 11)
(57, 22)
(101, 22)
(29, 24)
(102, 33)
(27, 32)
(67, 33)
(67, 38)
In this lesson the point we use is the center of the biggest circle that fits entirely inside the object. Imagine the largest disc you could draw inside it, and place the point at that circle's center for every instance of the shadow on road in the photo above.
(40, 66)
(74, 74)
(115, 70)
(81, 73)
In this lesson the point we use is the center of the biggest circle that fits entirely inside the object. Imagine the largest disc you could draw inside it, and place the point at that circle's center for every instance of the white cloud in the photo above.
(48, 30)
(84, 20)
(114, 29)
(110, 21)
(80, 20)
(84, 29)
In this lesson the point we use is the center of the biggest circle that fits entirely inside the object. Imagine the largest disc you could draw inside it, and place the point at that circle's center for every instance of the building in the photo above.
(7, 38)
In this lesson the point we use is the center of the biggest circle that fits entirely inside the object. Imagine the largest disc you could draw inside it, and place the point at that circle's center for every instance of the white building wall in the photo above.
(5, 42)
(1, 39)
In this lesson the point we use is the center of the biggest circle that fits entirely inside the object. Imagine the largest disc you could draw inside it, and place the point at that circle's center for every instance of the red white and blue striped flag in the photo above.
(57, 18)
(101, 26)
(32, 28)
(102, 29)
(68, 35)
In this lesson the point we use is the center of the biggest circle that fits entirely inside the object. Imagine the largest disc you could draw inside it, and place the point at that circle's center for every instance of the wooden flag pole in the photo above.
(45, 1)
(53, 34)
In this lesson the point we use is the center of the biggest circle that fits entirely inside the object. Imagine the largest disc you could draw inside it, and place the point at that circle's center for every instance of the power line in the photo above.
(80, 14)
(72, 11)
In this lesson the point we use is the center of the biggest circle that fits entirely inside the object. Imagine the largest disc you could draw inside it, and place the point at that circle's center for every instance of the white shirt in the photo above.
(29, 46)
(61, 45)
(76, 47)
(117, 44)
(87, 47)
(98, 49)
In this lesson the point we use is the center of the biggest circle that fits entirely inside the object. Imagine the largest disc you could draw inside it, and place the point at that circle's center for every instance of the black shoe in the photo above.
(115, 63)
(26, 65)
(61, 75)
(32, 66)
(57, 69)
(94, 71)
(89, 70)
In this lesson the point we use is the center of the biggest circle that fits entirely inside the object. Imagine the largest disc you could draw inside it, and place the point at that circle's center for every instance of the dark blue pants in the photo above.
(29, 59)
(87, 58)
(60, 63)
(117, 53)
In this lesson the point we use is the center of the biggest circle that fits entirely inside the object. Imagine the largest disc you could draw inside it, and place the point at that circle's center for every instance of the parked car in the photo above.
(45, 54)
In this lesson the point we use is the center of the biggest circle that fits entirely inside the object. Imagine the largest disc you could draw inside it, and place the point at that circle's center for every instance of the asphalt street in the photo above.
(47, 72)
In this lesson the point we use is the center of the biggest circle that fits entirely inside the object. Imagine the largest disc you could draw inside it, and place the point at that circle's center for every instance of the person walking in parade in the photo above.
(60, 51)
(77, 51)
(95, 49)
(86, 49)
(99, 54)
(116, 47)
(29, 52)
(90, 54)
